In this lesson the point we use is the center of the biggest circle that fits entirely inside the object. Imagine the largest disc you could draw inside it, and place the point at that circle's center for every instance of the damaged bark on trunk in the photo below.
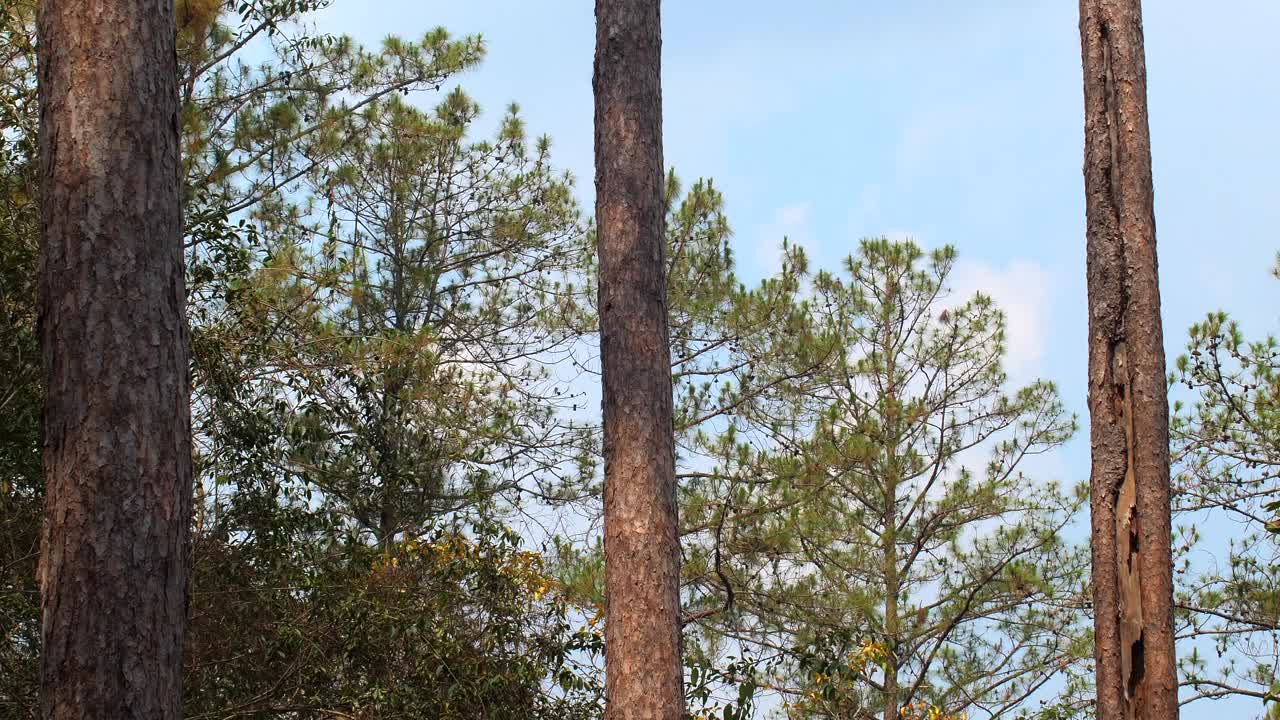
(1128, 405)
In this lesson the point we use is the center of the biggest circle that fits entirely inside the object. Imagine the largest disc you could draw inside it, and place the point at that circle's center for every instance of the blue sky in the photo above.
(950, 122)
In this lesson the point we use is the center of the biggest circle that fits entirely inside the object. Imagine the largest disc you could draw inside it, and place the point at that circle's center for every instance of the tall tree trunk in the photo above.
(117, 428)
(892, 587)
(889, 540)
(1128, 404)
(644, 673)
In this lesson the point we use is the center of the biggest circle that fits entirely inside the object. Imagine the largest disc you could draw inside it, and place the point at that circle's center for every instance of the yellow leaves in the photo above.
(868, 655)
(195, 18)
(540, 589)
(527, 569)
(927, 711)
(833, 693)
(523, 568)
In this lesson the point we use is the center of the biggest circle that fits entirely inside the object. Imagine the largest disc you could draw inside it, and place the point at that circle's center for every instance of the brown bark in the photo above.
(644, 673)
(117, 429)
(1128, 404)
(889, 541)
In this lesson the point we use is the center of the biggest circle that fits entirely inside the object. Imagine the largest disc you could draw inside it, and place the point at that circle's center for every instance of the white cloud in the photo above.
(1023, 290)
(791, 222)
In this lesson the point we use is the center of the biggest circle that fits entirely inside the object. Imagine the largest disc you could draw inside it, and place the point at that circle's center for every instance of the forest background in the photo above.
(950, 126)
(946, 123)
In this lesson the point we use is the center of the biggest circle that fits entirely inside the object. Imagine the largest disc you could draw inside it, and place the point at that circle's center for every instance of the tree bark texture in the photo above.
(117, 428)
(644, 675)
(1128, 403)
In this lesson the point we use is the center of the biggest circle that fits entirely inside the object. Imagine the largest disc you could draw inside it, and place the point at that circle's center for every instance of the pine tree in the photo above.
(411, 301)
(840, 524)
(642, 551)
(117, 429)
(1226, 456)
(251, 131)
(1128, 405)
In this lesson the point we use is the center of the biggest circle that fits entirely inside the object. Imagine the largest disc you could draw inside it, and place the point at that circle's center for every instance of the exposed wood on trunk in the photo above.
(117, 430)
(1128, 405)
(642, 552)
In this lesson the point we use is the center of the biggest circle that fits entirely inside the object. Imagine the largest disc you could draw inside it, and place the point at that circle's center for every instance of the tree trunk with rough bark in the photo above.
(1128, 404)
(117, 428)
(644, 675)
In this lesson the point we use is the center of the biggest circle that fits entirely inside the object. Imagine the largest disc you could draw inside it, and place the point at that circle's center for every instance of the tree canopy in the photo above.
(394, 322)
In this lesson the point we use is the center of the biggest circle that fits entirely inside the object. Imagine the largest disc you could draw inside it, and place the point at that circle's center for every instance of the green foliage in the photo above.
(21, 489)
(294, 613)
(838, 507)
(412, 316)
(1226, 458)
(707, 683)
(826, 425)
(458, 623)
(367, 366)
(385, 310)
(251, 131)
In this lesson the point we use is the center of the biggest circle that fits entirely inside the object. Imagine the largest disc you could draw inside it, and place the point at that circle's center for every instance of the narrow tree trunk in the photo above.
(117, 429)
(892, 586)
(642, 552)
(1128, 405)
(889, 540)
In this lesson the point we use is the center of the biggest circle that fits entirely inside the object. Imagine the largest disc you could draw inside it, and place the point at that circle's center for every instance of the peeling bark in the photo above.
(116, 418)
(644, 675)
(1128, 404)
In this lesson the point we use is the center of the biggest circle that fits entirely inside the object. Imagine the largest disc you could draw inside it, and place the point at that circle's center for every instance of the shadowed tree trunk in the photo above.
(1128, 405)
(642, 551)
(117, 430)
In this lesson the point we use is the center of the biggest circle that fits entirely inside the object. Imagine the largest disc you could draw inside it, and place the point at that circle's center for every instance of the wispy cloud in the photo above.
(1023, 290)
(792, 222)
